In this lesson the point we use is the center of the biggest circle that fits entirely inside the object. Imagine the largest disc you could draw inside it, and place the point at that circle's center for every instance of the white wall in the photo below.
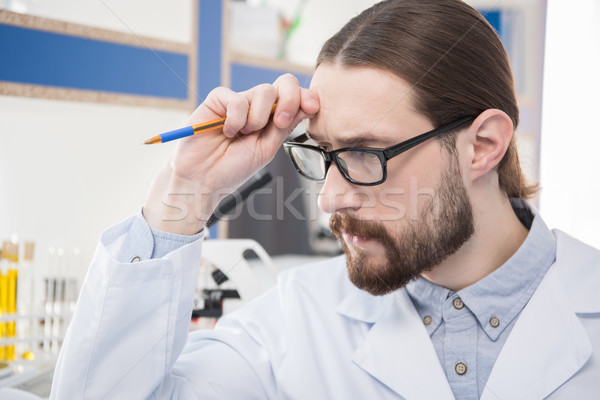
(68, 170)
(169, 20)
(570, 160)
(319, 21)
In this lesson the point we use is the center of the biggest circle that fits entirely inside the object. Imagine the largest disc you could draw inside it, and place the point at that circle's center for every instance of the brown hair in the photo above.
(448, 53)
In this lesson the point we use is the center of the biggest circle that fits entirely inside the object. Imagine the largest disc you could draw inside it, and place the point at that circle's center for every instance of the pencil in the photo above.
(191, 130)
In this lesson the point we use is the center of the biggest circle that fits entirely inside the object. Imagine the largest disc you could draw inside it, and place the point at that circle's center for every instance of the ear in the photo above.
(488, 139)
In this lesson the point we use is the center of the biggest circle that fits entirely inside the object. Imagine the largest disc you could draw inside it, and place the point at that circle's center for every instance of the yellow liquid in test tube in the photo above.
(3, 297)
(3, 310)
(8, 297)
(12, 309)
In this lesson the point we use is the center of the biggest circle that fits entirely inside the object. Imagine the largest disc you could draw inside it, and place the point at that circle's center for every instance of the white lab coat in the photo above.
(315, 336)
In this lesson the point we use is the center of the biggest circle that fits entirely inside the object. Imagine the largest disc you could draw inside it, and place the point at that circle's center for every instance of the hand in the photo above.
(208, 166)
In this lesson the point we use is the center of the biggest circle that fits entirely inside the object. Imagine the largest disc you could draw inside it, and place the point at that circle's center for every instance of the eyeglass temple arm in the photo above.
(410, 143)
(299, 139)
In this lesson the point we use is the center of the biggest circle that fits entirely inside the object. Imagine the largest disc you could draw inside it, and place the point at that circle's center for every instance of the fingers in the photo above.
(294, 104)
(288, 100)
(237, 115)
(308, 106)
(223, 102)
(262, 99)
(250, 111)
(246, 112)
(309, 102)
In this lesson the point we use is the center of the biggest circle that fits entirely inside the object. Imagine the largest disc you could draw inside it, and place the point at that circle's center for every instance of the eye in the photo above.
(323, 146)
(360, 158)
(356, 155)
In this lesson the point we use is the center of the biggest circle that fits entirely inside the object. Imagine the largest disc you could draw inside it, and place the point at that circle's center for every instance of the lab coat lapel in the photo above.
(550, 332)
(398, 352)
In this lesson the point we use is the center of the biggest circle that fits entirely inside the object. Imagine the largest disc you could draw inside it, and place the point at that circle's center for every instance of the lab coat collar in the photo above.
(579, 270)
(549, 328)
(362, 306)
(397, 350)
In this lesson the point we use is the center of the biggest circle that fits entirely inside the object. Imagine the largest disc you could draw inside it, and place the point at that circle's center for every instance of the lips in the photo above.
(354, 232)
(354, 239)
(361, 237)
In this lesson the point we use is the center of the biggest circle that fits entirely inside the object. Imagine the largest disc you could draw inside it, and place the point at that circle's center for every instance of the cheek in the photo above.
(411, 182)
(418, 169)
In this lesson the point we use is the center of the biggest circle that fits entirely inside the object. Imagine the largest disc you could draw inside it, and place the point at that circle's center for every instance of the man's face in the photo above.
(421, 214)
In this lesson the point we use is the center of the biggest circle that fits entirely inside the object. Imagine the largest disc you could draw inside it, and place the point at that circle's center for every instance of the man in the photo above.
(451, 285)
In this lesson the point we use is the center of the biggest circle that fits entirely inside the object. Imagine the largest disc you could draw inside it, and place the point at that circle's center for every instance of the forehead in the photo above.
(363, 101)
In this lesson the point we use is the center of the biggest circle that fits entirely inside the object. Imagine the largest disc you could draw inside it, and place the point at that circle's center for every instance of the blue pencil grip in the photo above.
(177, 134)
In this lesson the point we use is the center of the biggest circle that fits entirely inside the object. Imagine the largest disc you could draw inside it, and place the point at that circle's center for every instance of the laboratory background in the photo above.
(83, 83)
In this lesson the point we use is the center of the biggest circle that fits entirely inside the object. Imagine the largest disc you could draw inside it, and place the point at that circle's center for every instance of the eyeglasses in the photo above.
(363, 166)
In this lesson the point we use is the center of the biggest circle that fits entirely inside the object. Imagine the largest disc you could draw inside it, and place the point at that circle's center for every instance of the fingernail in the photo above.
(312, 103)
(285, 118)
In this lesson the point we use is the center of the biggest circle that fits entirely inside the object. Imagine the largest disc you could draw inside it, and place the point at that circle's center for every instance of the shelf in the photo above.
(24, 372)
(261, 62)
(35, 316)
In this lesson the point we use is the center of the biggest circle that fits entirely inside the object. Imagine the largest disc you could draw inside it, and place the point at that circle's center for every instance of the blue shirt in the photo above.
(468, 328)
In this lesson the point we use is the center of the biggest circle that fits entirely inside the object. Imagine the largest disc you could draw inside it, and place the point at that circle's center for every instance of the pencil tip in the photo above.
(155, 139)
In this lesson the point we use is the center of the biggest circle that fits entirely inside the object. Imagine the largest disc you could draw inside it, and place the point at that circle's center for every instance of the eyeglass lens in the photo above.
(363, 167)
(310, 162)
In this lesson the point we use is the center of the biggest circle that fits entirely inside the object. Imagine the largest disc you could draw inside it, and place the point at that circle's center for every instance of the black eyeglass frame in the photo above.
(382, 154)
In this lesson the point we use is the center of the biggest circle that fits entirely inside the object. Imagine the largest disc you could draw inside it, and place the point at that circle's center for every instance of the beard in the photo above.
(418, 247)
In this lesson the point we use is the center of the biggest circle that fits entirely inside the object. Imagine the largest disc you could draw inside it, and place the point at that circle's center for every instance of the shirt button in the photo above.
(136, 259)
(427, 320)
(460, 368)
(494, 322)
(458, 303)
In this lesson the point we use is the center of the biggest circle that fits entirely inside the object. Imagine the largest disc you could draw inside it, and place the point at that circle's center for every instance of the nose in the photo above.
(339, 195)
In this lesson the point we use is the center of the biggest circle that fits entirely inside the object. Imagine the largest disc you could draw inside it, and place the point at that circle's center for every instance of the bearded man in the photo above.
(451, 285)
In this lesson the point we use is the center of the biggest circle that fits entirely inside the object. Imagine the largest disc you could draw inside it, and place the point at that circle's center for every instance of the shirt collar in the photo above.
(503, 293)
(428, 298)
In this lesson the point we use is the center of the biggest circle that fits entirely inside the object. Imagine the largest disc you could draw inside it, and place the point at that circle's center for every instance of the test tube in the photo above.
(49, 297)
(13, 272)
(72, 284)
(26, 303)
(3, 296)
(59, 301)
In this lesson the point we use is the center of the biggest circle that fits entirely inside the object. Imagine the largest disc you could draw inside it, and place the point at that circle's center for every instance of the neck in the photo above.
(498, 235)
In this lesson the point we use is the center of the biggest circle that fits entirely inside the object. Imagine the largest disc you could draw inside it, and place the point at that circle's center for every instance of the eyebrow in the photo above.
(359, 140)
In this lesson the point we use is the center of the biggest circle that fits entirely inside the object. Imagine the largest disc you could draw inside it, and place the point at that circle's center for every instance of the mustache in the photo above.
(357, 227)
